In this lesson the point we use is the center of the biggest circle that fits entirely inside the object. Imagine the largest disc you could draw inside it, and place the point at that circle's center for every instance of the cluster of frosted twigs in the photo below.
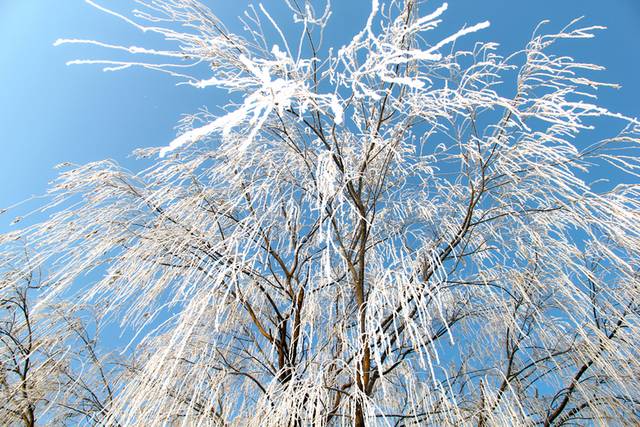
(396, 232)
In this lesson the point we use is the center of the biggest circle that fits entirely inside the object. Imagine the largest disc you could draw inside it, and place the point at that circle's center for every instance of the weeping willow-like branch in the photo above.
(391, 233)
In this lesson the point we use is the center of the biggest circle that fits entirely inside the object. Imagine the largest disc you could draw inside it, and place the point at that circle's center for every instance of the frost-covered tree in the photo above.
(51, 371)
(391, 232)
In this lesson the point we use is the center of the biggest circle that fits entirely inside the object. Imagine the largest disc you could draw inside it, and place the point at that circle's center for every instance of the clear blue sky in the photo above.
(50, 113)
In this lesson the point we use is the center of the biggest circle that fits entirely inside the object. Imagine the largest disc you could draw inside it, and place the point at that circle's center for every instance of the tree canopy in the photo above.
(397, 231)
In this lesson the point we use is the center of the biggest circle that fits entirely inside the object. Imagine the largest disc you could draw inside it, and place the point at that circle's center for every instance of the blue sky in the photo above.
(51, 113)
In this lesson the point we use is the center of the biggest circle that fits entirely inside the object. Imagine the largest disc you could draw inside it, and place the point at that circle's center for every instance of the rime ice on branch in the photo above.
(391, 232)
